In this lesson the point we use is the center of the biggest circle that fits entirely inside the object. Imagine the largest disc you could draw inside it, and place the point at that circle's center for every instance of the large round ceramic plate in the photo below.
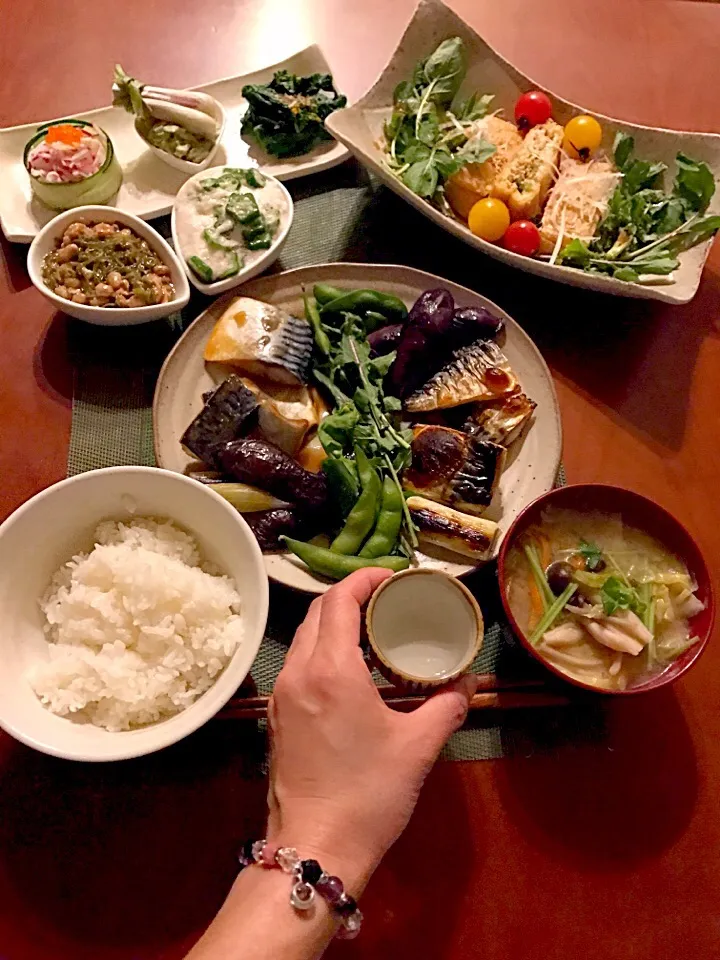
(532, 462)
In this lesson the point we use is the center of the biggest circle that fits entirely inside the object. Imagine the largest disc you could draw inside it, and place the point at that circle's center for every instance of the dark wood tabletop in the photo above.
(602, 851)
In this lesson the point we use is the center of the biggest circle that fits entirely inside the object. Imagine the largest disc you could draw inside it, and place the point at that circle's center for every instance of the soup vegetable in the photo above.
(106, 265)
(601, 601)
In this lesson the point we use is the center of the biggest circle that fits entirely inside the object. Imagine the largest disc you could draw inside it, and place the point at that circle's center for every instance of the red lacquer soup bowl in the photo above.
(642, 514)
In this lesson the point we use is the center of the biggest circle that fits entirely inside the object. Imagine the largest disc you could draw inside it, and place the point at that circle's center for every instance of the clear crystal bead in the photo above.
(302, 896)
(257, 850)
(287, 859)
(350, 926)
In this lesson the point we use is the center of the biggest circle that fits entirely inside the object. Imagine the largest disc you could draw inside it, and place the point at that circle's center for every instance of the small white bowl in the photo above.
(59, 522)
(267, 258)
(425, 628)
(44, 242)
(218, 114)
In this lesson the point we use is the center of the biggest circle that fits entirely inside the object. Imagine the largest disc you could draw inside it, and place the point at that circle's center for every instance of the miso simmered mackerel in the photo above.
(328, 436)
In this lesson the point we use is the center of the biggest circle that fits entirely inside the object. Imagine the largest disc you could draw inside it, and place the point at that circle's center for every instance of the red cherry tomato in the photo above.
(522, 237)
(531, 109)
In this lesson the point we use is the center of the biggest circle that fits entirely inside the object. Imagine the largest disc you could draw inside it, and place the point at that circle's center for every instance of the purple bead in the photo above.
(331, 889)
(346, 906)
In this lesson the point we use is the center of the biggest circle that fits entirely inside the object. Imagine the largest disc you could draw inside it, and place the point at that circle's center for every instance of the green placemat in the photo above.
(342, 215)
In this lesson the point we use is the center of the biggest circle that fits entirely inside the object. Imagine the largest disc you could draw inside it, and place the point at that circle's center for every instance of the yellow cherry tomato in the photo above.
(489, 219)
(582, 135)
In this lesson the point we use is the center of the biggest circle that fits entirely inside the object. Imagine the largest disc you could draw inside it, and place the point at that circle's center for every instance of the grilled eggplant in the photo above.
(266, 466)
(269, 525)
(262, 340)
(444, 527)
(478, 372)
(229, 410)
(501, 421)
(453, 467)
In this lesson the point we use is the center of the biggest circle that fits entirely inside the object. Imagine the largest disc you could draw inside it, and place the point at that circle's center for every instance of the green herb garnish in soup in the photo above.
(601, 601)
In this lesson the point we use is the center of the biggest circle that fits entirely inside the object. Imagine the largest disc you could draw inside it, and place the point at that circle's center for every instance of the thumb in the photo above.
(445, 712)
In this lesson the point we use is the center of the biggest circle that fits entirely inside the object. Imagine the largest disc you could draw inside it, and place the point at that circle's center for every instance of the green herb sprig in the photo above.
(645, 229)
(428, 141)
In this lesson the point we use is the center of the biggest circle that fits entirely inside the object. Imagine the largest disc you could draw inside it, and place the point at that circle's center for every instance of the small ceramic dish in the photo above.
(424, 627)
(215, 110)
(256, 261)
(641, 514)
(45, 241)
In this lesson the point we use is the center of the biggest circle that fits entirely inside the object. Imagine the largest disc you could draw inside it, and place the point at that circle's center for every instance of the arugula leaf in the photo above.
(694, 183)
(591, 554)
(380, 366)
(343, 483)
(476, 150)
(617, 595)
(622, 149)
(444, 70)
(575, 254)
(694, 233)
(336, 430)
(422, 177)
(474, 107)
(626, 273)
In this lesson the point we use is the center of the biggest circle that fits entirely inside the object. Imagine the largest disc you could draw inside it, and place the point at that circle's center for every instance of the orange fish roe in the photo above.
(65, 133)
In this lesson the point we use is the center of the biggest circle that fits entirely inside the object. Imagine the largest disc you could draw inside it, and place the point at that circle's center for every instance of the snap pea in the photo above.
(387, 527)
(324, 293)
(361, 518)
(392, 308)
(335, 566)
(322, 341)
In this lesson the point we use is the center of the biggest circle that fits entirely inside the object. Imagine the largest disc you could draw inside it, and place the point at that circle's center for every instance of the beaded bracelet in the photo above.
(309, 877)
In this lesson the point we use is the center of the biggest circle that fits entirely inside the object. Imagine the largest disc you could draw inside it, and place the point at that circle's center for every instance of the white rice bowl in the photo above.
(138, 628)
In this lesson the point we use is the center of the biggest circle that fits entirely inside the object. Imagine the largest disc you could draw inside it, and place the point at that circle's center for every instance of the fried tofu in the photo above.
(475, 180)
(577, 201)
(526, 180)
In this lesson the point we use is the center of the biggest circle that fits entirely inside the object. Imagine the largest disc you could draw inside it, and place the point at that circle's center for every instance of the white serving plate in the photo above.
(533, 460)
(360, 128)
(247, 273)
(44, 242)
(149, 185)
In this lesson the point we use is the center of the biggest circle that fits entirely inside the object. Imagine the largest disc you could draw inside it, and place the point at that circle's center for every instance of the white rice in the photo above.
(138, 628)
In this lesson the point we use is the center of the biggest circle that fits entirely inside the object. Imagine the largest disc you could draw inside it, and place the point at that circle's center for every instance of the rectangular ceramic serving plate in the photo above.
(360, 128)
(149, 186)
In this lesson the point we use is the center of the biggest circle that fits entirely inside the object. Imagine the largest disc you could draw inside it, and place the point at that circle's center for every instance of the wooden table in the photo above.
(606, 852)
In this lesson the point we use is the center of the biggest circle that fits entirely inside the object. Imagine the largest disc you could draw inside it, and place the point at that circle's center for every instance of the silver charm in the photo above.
(302, 896)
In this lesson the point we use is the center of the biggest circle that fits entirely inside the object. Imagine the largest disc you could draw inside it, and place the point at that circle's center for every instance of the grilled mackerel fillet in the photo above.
(478, 372)
(453, 467)
(501, 421)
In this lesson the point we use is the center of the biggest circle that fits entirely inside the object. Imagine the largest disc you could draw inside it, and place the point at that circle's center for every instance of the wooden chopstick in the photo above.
(493, 694)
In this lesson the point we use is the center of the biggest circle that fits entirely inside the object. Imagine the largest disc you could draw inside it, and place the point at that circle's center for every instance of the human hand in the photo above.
(346, 769)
